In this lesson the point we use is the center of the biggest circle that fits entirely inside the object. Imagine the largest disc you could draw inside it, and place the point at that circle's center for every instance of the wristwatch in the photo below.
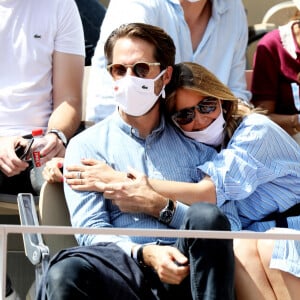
(60, 135)
(166, 214)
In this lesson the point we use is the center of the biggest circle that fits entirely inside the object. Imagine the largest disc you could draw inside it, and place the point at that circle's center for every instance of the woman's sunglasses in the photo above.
(187, 115)
(140, 69)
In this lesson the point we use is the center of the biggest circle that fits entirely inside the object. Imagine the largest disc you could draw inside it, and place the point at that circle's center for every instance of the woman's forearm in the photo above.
(189, 193)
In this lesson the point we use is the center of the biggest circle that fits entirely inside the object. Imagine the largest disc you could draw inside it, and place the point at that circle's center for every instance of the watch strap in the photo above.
(60, 135)
(170, 205)
(138, 255)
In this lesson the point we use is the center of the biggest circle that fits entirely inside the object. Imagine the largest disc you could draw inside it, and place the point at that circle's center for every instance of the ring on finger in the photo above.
(78, 175)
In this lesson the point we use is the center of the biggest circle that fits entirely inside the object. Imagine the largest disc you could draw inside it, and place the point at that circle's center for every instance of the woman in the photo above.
(276, 77)
(254, 176)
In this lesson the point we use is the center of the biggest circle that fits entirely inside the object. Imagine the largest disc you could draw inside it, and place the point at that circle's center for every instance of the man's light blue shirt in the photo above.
(221, 50)
(164, 154)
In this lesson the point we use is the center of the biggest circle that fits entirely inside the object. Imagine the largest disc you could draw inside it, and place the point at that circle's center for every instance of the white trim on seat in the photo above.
(280, 13)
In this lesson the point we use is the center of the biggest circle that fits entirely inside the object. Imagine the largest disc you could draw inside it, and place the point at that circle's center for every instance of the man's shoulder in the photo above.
(98, 129)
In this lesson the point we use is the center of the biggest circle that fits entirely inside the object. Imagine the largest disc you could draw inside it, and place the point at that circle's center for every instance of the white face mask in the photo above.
(213, 135)
(135, 95)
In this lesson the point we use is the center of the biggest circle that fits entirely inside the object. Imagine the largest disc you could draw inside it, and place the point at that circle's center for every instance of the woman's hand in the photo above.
(52, 170)
(84, 177)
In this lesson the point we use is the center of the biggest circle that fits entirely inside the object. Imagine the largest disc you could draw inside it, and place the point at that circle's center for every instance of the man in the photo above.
(213, 33)
(140, 59)
(42, 61)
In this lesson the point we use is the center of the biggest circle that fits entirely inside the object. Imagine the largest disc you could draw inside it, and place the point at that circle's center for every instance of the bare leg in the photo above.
(285, 285)
(293, 285)
(251, 282)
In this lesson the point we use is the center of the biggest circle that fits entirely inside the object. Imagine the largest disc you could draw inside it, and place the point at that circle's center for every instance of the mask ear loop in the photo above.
(162, 91)
(222, 112)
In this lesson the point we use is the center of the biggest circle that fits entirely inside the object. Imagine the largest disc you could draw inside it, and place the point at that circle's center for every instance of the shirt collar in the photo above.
(287, 38)
(130, 130)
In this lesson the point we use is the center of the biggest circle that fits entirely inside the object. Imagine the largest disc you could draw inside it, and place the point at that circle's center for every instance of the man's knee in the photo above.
(69, 267)
(206, 216)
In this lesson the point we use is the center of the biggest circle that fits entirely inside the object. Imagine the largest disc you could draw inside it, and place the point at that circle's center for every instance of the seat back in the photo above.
(277, 15)
(53, 211)
(280, 13)
(249, 74)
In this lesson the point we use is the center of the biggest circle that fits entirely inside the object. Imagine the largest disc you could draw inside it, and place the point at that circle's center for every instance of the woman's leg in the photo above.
(285, 285)
(251, 281)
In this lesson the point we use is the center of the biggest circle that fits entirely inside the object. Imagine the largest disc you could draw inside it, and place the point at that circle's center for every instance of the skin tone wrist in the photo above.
(295, 123)
(161, 203)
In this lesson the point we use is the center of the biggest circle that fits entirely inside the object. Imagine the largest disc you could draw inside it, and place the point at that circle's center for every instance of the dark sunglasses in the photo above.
(187, 115)
(140, 69)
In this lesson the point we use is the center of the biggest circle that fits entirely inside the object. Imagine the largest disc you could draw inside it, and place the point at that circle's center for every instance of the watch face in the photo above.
(166, 216)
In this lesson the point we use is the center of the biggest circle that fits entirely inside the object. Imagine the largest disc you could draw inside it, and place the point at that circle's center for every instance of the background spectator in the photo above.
(42, 63)
(276, 76)
(213, 33)
(92, 13)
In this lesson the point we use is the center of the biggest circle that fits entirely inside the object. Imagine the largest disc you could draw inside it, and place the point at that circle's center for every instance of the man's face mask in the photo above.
(135, 95)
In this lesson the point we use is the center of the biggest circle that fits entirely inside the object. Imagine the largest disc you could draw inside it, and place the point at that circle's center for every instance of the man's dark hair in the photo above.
(162, 42)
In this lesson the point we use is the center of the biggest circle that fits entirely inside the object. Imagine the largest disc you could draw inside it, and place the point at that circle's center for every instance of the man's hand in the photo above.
(169, 263)
(52, 147)
(10, 164)
(135, 195)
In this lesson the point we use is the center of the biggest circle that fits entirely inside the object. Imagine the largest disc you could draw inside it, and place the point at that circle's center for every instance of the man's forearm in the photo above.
(66, 118)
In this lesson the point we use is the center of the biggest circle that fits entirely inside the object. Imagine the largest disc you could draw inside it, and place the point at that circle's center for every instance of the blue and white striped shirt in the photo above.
(259, 172)
(164, 154)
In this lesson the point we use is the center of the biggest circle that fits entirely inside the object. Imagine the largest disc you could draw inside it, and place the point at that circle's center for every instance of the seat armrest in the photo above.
(35, 249)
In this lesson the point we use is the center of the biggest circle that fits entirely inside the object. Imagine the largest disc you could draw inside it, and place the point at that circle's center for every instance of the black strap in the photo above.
(281, 218)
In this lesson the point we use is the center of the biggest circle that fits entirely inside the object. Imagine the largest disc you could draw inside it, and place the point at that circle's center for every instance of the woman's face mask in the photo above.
(135, 95)
(212, 135)
(202, 121)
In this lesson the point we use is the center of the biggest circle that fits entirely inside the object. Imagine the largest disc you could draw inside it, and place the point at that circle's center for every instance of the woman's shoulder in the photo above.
(256, 122)
(257, 118)
(270, 38)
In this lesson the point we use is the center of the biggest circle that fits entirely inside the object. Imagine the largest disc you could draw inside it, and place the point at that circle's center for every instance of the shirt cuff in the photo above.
(179, 215)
